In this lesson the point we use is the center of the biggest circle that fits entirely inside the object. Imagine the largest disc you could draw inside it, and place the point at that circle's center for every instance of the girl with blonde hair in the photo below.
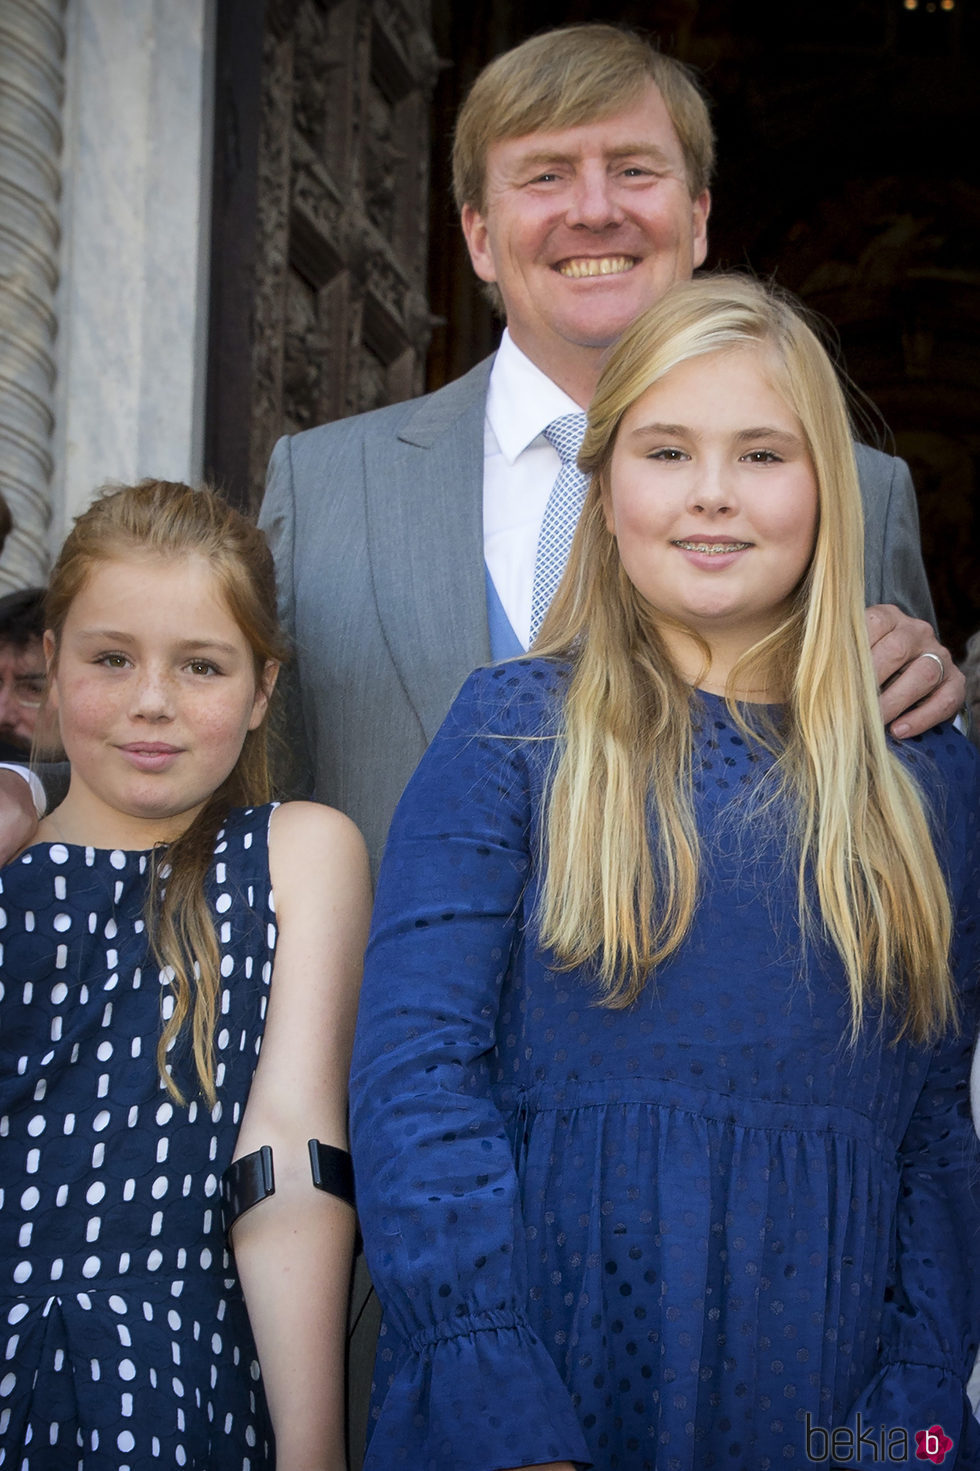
(659, 1097)
(165, 921)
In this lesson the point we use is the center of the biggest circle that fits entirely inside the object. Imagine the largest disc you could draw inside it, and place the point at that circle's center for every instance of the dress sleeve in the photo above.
(931, 1324)
(472, 1386)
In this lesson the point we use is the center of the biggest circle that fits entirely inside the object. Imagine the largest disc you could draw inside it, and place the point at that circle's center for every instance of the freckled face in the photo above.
(585, 227)
(154, 687)
(712, 497)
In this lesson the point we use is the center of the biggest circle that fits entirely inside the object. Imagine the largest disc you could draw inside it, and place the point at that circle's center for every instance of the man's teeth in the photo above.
(606, 265)
(713, 546)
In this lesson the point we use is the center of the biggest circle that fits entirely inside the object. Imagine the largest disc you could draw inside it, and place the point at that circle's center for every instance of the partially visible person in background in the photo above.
(21, 669)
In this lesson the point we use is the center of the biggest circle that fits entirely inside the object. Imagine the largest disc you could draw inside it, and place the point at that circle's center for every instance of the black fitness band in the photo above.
(332, 1170)
(251, 1179)
(246, 1182)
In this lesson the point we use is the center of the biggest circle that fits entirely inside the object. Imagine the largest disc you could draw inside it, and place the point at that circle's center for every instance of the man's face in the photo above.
(584, 228)
(21, 691)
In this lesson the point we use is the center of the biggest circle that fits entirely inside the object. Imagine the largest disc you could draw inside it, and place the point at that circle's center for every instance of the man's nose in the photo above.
(594, 201)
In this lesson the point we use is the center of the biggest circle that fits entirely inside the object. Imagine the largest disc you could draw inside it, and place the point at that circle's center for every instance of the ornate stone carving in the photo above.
(32, 49)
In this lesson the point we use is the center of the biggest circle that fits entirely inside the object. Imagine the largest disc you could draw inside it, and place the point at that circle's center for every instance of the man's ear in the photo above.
(701, 208)
(477, 239)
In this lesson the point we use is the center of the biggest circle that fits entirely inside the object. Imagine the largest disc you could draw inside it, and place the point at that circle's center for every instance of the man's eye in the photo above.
(29, 687)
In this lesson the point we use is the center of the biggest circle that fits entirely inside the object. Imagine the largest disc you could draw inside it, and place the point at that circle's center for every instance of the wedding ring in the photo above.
(942, 667)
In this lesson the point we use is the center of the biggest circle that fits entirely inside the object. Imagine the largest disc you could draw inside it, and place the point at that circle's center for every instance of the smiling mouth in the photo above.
(578, 267)
(713, 548)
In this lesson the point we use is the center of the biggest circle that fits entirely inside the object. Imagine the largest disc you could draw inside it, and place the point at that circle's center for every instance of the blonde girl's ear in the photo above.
(263, 693)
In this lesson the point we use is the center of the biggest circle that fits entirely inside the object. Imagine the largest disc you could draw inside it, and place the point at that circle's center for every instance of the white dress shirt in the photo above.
(33, 781)
(519, 469)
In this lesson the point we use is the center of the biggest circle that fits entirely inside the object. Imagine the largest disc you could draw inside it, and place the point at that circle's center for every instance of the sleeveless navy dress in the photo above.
(126, 1342)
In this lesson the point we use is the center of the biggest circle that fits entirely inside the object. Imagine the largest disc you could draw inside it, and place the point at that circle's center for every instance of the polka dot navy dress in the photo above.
(126, 1341)
(698, 1232)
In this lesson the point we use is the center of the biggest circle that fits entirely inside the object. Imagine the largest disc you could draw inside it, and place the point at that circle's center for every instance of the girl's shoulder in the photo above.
(943, 761)
(519, 697)
(313, 827)
(316, 856)
(946, 768)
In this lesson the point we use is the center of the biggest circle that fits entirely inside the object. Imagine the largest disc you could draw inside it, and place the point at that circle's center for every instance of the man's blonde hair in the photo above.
(566, 77)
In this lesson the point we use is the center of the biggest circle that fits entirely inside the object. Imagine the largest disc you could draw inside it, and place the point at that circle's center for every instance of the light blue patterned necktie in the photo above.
(561, 515)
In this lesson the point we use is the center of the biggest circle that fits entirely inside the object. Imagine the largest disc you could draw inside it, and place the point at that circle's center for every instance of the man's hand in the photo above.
(18, 819)
(921, 691)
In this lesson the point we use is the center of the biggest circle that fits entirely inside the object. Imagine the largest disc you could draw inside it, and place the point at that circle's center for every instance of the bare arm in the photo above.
(549, 1466)
(18, 816)
(915, 693)
(294, 1250)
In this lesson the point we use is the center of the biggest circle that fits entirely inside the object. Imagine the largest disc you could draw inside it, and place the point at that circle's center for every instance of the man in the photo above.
(406, 539)
(21, 670)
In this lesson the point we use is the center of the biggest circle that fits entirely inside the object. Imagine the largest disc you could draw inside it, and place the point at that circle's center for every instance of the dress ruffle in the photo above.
(929, 1402)
(464, 1374)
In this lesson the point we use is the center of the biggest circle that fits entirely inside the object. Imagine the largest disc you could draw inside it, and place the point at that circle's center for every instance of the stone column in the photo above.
(32, 50)
(132, 303)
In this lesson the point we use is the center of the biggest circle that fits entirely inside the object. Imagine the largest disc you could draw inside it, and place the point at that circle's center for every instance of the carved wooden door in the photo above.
(321, 220)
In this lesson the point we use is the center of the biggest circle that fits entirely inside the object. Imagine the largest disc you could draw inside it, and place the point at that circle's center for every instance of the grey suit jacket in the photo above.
(376, 523)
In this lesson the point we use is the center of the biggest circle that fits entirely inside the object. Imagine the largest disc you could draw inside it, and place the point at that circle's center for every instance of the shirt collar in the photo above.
(521, 400)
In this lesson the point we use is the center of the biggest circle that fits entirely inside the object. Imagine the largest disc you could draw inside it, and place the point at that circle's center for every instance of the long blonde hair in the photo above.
(172, 520)
(625, 748)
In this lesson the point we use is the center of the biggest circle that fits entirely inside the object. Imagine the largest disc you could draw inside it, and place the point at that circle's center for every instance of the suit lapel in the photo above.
(424, 491)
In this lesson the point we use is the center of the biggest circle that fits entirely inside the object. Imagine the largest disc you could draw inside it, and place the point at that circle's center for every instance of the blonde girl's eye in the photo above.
(112, 660)
(668, 454)
(763, 457)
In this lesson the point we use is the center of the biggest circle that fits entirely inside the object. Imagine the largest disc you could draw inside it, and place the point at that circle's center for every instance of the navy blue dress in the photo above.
(698, 1232)
(126, 1339)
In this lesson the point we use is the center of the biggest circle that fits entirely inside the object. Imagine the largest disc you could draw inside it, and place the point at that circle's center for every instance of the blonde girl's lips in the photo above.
(578, 268)
(713, 548)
